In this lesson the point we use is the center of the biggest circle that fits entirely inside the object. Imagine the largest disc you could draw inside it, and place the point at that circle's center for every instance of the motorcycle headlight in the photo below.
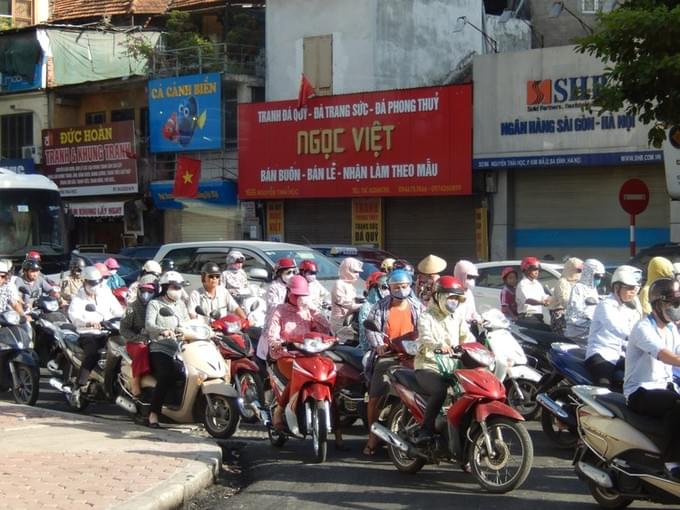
(51, 305)
(482, 357)
(410, 347)
(314, 345)
(233, 327)
(11, 317)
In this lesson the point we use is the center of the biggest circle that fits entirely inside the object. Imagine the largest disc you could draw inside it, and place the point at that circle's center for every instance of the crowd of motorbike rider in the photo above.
(631, 333)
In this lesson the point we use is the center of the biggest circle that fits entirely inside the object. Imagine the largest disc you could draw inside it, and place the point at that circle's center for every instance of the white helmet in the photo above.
(627, 275)
(4, 266)
(234, 256)
(92, 274)
(151, 266)
(171, 277)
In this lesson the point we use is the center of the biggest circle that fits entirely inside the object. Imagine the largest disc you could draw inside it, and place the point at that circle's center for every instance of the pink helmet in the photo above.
(298, 285)
(111, 263)
(102, 269)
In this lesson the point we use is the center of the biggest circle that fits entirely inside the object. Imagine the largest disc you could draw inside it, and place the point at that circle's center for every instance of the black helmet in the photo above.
(167, 265)
(666, 290)
(77, 263)
(210, 268)
(31, 265)
(403, 264)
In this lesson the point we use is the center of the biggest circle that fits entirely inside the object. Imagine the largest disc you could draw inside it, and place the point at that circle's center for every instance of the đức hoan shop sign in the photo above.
(389, 143)
(91, 160)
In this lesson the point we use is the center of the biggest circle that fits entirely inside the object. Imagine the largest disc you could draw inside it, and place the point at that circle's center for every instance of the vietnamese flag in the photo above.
(306, 91)
(187, 175)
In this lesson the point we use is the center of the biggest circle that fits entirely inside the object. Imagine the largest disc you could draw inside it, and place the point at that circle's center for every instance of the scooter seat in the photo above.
(407, 378)
(350, 355)
(653, 427)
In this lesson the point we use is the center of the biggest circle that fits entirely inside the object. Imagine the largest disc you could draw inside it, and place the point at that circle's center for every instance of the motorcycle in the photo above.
(308, 411)
(556, 396)
(100, 385)
(619, 455)
(236, 347)
(537, 343)
(48, 322)
(204, 395)
(512, 368)
(19, 365)
(479, 430)
(350, 385)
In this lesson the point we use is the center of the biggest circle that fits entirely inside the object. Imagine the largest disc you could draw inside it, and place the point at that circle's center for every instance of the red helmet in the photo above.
(298, 285)
(33, 255)
(528, 262)
(285, 263)
(374, 279)
(308, 266)
(507, 271)
(449, 285)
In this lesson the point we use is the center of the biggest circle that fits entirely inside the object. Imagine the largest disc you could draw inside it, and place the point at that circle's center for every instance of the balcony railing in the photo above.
(219, 57)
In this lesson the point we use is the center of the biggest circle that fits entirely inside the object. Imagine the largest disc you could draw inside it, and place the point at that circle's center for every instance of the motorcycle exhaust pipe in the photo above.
(390, 437)
(552, 406)
(57, 384)
(596, 475)
(126, 404)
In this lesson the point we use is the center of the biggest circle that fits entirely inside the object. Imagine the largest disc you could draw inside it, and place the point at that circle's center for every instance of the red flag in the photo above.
(306, 91)
(187, 175)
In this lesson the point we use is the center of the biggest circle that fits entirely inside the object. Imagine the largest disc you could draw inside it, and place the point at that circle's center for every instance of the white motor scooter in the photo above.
(520, 379)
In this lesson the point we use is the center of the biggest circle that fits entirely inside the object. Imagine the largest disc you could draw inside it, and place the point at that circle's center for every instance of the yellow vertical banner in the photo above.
(367, 224)
(482, 233)
(275, 220)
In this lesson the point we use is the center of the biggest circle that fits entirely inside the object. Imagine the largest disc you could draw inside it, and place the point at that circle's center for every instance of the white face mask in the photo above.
(91, 289)
(471, 283)
(174, 294)
(451, 305)
(286, 277)
(113, 271)
(310, 277)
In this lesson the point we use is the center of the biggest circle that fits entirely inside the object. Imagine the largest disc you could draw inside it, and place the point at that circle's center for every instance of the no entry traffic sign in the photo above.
(634, 198)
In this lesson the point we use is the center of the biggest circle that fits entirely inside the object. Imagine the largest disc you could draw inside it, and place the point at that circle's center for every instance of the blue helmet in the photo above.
(400, 276)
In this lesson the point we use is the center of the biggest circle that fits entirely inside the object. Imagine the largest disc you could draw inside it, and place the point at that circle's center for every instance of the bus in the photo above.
(32, 217)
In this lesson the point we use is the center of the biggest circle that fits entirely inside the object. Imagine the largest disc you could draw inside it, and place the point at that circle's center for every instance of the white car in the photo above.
(489, 284)
(260, 258)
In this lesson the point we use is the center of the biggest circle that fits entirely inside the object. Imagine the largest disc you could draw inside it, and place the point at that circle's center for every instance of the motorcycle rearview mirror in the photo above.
(166, 312)
(90, 308)
(255, 305)
(371, 325)
(215, 314)
(258, 273)
(24, 290)
(199, 311)
(591, 301)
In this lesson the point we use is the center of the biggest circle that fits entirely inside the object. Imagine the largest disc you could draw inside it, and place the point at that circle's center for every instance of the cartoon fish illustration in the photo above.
(188, 120)
(170, 128)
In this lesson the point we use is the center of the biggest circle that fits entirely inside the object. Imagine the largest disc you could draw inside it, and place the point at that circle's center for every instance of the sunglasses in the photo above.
(289, 271)
(384, 287)
(310, 272)
(214, 276)
(355, 272)
(239, 261)
(532, 268)
(175, 287)
(472, 277)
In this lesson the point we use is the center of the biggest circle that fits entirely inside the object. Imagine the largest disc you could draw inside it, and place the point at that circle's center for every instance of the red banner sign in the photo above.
(91, 160)
(399, 142)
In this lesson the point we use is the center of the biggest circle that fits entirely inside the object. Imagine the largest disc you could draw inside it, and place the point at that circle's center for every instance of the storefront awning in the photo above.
(96, 209)
(216, 193)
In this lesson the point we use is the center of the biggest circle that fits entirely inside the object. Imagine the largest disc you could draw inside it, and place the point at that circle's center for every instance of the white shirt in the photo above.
(610, 328)
(223, 301)
(643, 369)
(106, 304)
(529, 289)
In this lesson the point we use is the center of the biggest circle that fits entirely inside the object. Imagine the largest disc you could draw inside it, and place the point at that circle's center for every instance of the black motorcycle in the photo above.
(19, 369)
(49, 322)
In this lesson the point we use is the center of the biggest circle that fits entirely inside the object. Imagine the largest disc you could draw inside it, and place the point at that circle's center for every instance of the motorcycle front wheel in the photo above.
(221, 417)
(607, 498)
(561, 434)
(71, 379)
(26, 392)
(524, 404)
(402, 423)
(509, 464)
(319, 430)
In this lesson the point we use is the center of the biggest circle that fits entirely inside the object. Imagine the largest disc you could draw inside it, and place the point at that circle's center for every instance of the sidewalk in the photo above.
(54, 460)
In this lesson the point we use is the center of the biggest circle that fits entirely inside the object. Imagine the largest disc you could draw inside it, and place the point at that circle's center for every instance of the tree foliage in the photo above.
(639, 43)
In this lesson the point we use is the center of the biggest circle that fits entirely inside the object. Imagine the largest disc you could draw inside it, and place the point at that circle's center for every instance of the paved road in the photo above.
(282, 479)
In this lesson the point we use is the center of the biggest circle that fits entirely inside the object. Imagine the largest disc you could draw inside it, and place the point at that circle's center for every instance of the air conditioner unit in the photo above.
(30, 152)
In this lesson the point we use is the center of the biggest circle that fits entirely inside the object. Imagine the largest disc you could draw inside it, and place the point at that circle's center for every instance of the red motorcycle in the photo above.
(478, 429)
(234, 345)
(311, 393)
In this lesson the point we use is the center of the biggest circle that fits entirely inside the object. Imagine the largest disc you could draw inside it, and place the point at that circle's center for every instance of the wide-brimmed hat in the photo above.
(431, 265)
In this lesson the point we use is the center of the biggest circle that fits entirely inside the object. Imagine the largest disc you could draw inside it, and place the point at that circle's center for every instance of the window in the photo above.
(230, 106)
(201, 257)
(181, 257)
(547, 279)
(120, 115)
(318, 63)
(95, 118)
(253, 261)
(16, 131)
(5, 7)
(590, 6)
(491, 277)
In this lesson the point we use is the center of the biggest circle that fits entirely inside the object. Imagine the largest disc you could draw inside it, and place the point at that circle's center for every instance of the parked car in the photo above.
(260, 258)
(371, 257)
(141, 253)
(669, 250)
(129, 267)
(489, 284)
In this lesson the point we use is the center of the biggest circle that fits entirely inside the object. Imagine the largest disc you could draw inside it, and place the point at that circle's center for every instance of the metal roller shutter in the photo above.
(202, 224)
(556, 209)
(318, 221)
(444, 226)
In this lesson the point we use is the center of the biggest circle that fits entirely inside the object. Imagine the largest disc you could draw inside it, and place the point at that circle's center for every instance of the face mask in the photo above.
(673, 314)
(235, 267)
(401, 293)
(451, 305)
(471, 283)
(286, 277)
(145, 297)
(91, 289)
(113, 271)
(310, 277)
(174, 294)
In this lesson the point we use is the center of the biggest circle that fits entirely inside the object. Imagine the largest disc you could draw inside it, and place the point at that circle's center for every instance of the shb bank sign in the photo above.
(563, 93)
